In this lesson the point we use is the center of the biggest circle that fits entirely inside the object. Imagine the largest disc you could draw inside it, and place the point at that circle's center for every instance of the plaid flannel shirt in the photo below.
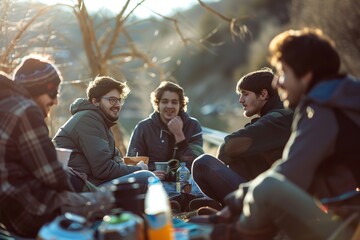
(31, 178)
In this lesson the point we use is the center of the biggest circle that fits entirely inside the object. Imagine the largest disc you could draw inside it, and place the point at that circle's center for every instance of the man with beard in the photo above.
(34, 187)
(89, 136)
(251, 150)
(320, 162)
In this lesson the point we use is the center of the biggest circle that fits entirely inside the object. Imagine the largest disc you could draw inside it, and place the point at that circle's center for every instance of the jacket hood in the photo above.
(155, 118)
(82, 104)
(341, 93)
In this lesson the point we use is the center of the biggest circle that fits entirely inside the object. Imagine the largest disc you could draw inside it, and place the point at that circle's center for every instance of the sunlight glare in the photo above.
(163, 7)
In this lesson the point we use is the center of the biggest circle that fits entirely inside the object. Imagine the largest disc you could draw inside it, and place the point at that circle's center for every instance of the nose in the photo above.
(241, 99)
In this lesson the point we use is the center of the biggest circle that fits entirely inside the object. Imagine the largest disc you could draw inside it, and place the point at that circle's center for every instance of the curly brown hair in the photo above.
(104, 84)
(156, 95)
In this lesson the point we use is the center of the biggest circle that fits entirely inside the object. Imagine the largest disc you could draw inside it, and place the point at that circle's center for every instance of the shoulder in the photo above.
(314, 114)
(188, 119)
(18, 108)
(145, 123)
(277, 113)
(87, 114)
(194, 121)
(19, 105)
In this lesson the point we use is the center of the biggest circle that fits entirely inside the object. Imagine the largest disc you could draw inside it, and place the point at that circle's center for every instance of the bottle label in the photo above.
(156, 221)
(182, 187)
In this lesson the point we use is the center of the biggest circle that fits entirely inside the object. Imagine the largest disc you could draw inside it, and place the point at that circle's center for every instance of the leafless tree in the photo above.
(106, 40)
(13, 32)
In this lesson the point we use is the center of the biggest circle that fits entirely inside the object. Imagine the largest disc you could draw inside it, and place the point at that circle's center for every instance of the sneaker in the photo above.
(197, 203)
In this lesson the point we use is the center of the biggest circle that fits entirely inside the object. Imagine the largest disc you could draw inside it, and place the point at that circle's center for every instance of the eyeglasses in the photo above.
(114, 100)
(53, 93)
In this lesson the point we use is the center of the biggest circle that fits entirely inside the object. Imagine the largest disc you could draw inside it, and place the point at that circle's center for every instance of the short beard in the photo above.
(247, 114)
(111, 118)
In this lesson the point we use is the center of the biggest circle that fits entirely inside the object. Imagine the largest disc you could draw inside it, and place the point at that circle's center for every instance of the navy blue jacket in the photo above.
(152, 138)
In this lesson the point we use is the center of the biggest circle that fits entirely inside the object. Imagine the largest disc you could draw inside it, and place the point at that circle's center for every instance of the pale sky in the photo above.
(165, 7)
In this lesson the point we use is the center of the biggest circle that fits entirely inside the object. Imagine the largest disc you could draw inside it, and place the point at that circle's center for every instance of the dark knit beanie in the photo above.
(38, 77)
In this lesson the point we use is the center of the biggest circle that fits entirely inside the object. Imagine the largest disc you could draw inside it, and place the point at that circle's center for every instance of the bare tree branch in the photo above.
(21, 31)
(235, 28)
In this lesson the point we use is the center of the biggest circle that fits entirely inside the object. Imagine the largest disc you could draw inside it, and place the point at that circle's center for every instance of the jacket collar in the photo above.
(274, 102)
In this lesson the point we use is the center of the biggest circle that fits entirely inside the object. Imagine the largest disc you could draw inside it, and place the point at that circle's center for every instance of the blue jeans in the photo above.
(214, 178)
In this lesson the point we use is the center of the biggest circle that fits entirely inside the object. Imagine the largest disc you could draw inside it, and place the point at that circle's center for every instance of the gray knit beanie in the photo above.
(38, 76)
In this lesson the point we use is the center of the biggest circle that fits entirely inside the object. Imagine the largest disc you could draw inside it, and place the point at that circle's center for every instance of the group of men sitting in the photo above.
(267, 177)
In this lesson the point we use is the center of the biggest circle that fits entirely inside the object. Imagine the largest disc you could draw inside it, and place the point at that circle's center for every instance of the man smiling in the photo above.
(88, 134)
(168, 133)
(34, 187)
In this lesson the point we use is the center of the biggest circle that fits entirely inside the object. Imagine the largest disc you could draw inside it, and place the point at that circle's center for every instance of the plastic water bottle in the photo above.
(182, 177)
(158, 212)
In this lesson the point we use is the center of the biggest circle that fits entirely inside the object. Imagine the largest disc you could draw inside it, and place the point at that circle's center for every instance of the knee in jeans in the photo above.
(201, 164)
(201, 161)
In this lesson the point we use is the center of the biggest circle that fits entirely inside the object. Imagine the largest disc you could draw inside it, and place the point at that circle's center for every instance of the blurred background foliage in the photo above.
(195, 48)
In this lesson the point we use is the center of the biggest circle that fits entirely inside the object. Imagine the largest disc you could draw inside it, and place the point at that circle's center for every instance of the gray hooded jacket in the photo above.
(88, 134)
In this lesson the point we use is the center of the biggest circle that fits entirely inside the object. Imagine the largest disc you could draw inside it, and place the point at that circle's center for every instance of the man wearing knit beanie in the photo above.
(34, 186)
(41, 79)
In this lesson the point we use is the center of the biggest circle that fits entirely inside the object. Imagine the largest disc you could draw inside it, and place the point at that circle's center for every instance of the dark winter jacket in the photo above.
(88, 134)
(253, 149)
(152, 138)
(326, 129)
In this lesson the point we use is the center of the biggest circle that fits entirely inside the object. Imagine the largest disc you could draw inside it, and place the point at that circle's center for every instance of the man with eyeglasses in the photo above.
(34, 187)
(89, 135)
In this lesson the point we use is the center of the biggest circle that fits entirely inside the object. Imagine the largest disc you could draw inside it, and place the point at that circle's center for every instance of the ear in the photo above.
(264, 95)
(306, 79)
(93, 101)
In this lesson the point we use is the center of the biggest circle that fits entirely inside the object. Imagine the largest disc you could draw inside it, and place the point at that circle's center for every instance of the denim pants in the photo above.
(214, 178)
(272, 200)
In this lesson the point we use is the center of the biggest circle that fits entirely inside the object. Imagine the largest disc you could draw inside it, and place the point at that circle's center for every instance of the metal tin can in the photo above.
(121, 225)
(66, 227)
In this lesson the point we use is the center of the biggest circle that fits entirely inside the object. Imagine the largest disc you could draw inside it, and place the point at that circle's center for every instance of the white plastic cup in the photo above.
(63, 155)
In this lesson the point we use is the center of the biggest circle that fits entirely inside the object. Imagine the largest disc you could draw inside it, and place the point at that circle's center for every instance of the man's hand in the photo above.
(160, 174)
(142, 165)
(175, 126)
